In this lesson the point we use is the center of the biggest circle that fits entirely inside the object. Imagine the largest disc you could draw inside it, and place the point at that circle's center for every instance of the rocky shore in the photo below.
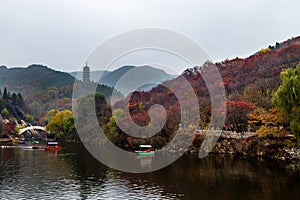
(250, 144)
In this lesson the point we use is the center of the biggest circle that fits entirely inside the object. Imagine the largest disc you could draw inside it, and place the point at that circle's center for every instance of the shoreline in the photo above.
(269, 147)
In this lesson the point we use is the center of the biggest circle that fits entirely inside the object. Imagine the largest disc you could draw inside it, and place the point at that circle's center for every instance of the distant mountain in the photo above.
(110, 78)
(94, 74)
(38, 78)
(33, 78)
(42, 88)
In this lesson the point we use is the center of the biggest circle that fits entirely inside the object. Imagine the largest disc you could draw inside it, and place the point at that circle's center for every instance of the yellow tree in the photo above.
(287, 98)
(61, 123)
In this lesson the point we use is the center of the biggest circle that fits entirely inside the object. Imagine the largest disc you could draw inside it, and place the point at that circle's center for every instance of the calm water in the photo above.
(74, 174)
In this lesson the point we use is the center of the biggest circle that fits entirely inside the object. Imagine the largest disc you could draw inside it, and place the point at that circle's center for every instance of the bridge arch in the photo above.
(31, 129)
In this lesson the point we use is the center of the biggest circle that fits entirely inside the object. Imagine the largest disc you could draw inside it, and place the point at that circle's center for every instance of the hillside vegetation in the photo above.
(13, 110)
(249, 83)
(43, 89)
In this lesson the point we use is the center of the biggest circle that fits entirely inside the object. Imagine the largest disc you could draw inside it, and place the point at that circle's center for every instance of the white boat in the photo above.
(145, 150)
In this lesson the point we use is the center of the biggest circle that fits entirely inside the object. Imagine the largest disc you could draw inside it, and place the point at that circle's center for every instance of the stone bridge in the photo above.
(32, 129)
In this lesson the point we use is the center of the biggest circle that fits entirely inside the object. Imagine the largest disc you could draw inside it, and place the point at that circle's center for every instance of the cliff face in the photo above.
(13, 105)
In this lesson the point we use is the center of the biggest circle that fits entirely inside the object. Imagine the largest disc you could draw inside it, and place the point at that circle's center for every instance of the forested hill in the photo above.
(39, 78)
(254, 78)
(42, 88)
(249, 85)
(33, 78)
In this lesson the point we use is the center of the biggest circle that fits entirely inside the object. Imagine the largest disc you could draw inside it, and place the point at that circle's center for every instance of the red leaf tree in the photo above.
(236, 117)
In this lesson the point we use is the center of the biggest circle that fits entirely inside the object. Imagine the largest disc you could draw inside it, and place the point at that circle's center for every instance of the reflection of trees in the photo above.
(88, 172)
(42, 174)
(221, 177)
(213, 177)
(8, 165)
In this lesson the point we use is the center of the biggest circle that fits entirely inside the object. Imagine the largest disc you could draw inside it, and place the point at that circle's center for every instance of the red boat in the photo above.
(52, 146)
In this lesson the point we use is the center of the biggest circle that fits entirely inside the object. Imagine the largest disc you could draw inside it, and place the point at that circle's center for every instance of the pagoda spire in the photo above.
(86, 73)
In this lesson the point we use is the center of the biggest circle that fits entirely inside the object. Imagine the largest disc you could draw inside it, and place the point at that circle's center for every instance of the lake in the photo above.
(73, 173)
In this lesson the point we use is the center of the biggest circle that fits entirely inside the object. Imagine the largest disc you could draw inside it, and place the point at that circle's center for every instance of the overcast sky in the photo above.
(61, 34)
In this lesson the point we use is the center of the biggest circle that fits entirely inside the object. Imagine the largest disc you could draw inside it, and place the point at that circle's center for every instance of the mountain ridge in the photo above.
(43, 88)
(110, 78)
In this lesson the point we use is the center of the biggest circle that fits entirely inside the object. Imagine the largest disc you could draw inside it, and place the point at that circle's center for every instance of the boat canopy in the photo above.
(52, 143)
(145, 146)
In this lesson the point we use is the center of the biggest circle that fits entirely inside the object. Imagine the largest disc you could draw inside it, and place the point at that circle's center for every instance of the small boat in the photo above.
(52, 146)
(35, 145)
(145, 150)
(21, 141)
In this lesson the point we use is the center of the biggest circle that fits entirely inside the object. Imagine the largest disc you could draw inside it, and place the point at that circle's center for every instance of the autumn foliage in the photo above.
(249, 84)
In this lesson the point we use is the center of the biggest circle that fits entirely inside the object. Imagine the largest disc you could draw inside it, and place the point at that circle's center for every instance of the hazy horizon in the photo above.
(61, 34)
(91, 69)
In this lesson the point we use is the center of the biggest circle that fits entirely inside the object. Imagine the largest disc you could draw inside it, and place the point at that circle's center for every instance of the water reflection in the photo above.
(73, 173)
(145, 161)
